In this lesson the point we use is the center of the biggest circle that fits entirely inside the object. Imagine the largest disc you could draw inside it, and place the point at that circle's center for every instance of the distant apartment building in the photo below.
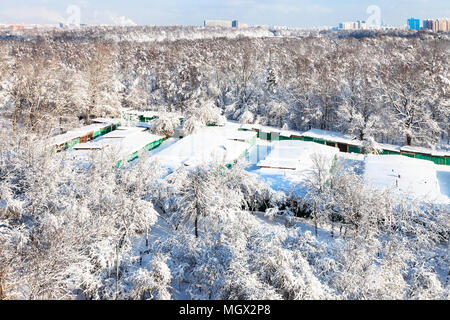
(225, 23)
(15, 27)
(437, 25)
(443, 25)
(219, 23)
(414, 24)
(348, 25)
(352, 25)
(428, 24)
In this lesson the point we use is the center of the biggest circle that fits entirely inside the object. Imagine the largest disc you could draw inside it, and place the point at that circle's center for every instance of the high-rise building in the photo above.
(414, 24)
(442, 25)
(428, 24)
(437, 25)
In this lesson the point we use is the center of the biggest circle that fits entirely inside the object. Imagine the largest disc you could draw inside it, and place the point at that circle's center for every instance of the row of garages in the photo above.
(106, 134)
(81, 135)
(346, 143)
(128, 143)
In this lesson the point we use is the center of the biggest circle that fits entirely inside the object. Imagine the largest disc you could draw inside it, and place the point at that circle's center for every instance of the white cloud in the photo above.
(111, 18)
(122, 20)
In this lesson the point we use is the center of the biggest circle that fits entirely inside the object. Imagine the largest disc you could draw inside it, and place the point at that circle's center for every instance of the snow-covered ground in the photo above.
(415, 178)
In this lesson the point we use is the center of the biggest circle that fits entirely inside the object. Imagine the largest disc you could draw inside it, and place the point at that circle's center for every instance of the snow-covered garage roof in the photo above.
(123, 132)
(293, 154)
(208, 144)
(75, 133)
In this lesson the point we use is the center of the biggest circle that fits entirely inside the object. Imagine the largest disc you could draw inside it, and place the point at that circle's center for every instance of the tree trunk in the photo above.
(408, 139)
(196, 226)
(16, 112)
(88, 117)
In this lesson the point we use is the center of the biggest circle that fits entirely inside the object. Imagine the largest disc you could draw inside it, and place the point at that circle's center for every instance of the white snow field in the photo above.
(222, 144)
(415, 178)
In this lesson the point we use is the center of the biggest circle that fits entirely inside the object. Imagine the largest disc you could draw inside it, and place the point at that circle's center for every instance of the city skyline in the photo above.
(291, 13)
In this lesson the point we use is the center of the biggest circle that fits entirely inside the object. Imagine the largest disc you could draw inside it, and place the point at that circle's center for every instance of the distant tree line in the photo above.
(389, 87)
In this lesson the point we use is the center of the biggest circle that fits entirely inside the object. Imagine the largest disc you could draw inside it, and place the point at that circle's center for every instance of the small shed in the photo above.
(148, 116)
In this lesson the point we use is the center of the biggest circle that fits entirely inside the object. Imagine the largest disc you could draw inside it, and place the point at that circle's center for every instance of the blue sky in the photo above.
(300, 13)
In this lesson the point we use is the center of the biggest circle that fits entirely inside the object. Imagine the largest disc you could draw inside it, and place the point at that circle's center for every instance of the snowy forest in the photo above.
(135, 232)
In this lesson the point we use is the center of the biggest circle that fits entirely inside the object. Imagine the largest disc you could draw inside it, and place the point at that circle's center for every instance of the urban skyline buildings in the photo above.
(436, 25)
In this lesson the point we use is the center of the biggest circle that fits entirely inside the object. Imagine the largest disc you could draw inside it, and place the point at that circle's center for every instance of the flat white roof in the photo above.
(75, 133)
(123, 132)
(439, 153)
(123, 146)
(62, 138)
(136, 142)
(296, 154)
(92, 127)
(389, 147)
